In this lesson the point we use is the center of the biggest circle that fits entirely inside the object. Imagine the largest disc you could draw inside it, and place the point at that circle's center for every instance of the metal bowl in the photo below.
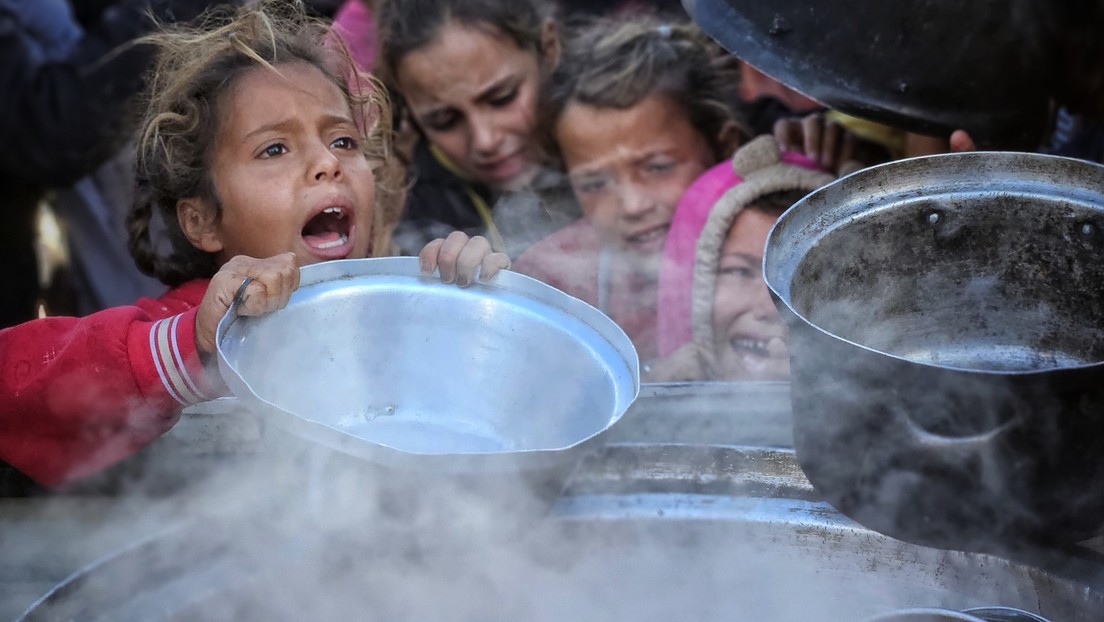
(373, 359)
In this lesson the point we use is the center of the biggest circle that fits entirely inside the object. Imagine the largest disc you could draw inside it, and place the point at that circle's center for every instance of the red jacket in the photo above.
(571, 260)
(80, 394)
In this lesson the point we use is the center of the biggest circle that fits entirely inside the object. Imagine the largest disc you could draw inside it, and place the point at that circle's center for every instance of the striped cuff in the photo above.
(180, 379)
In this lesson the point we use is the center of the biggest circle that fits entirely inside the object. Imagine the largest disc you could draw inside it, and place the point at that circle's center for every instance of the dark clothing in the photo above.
(1087, 144)
(1075, 136)
(761, 113)
(440, 202)
(64, 90)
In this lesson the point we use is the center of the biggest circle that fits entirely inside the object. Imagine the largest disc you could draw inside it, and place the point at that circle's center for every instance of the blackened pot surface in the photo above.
(946, 347)
(931, 66)
(643, 532)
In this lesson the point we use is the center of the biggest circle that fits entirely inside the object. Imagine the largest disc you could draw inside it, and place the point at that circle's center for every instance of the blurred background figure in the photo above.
(638, 108)
(67, 77)
(355, 21)
(466, 76)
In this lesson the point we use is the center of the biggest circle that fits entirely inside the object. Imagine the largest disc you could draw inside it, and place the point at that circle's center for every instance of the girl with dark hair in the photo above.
(259, 151)
(469, 74)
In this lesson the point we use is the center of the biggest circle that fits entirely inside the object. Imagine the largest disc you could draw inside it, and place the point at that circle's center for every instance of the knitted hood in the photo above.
(691, 253)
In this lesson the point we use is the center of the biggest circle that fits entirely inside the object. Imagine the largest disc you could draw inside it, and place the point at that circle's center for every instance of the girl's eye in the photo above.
(742, 272)
(442, 123)
(505, 99)
(345, 142)
(273, 150)
(590, 186)
(659, 167)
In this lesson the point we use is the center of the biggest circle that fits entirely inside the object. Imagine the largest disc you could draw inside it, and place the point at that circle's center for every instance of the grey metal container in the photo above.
(947, 348)
(378, 361)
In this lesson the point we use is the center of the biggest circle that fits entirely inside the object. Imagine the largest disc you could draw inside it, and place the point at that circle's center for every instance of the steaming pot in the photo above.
(691, 508)
(372, 359)
(946, 319)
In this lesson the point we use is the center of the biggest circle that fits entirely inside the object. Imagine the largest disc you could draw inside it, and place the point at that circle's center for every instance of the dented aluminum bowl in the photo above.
(375, 360)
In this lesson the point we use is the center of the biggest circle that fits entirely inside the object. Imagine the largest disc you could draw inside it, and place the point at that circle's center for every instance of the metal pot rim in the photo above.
(627, 380)
(941, 175)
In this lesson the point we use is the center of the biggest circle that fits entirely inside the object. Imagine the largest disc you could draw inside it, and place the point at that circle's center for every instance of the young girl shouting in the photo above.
(255, 157)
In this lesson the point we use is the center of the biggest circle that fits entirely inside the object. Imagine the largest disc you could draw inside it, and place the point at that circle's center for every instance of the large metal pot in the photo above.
(932, 66)
(947, 332)
(375, 360)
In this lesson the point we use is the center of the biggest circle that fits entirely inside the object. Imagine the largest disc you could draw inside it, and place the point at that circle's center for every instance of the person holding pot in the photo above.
(715, 317)
(259, 151)
(469, 74)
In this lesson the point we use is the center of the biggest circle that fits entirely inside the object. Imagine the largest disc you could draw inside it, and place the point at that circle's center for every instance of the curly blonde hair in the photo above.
(196, 66)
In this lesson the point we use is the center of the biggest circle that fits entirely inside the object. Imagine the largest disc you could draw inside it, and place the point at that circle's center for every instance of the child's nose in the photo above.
(485, 135)
(634, 199)
(326, 165)
(763, 304)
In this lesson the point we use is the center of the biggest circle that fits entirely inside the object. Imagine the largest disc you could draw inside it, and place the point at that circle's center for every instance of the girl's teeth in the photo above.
(647, 237)
(338, 242)
(749, 344)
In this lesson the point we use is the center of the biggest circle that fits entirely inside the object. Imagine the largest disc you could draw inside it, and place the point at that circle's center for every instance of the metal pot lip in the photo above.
(975, 162)
(1007, 614)
(506, 281)
(924, 614)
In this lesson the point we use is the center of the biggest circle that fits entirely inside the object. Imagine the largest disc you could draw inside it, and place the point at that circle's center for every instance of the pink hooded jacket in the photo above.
(357, 26)
(700, 224)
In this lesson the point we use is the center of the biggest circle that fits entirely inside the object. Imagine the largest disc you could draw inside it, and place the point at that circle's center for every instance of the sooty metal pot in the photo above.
(926, 65)
(947, 333)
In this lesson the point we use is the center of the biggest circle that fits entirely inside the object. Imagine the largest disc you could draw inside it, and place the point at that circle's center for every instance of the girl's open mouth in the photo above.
(329, 230)
(649, 239)
(774, 347)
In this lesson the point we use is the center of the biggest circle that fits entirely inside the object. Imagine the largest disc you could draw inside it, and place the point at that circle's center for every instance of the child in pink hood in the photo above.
(715, 318)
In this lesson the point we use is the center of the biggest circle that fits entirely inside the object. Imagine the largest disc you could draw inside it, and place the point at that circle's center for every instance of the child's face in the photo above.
(288, 170)
(749, 336)
(474, 95)
(629, 168)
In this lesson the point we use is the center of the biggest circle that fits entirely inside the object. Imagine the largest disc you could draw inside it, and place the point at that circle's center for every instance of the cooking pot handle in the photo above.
(941, 442)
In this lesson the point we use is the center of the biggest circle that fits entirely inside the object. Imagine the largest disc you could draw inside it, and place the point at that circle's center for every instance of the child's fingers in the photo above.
(962, 141)
(830, 158)
(449, 254)
(274, 280)
(471, 256)
(812, 128)
(492, 264)
(427, 259)
(786, 133)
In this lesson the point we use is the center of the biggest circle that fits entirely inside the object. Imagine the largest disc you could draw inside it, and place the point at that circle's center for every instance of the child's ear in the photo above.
(728, 139)
(198, 221)
(550, 44)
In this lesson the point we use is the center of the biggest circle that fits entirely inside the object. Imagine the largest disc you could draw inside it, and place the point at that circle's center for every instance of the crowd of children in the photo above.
(606, 155)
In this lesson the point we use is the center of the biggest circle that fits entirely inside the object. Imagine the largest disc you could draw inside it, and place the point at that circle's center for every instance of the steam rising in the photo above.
(286, 530)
